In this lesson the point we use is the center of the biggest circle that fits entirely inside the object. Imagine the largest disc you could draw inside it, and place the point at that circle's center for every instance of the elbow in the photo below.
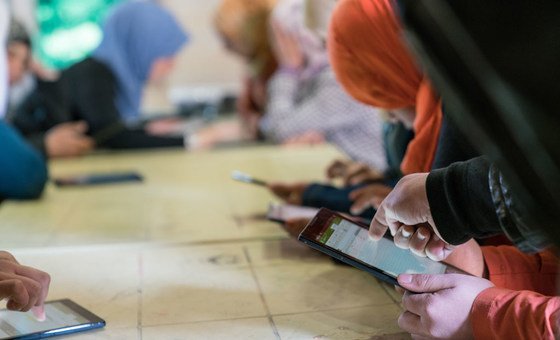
(32, 180)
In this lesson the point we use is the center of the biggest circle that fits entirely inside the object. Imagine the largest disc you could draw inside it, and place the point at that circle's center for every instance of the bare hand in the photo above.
(24, 287)
(68, 140)
(406, 213)
(368, 196)
(289, 193)
(286, 47)
(352, 173)
(439, 306)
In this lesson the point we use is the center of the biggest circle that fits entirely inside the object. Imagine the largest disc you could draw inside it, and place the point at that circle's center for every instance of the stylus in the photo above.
(242, 177)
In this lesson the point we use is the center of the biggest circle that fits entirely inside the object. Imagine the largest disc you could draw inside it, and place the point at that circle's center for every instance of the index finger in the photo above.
(42, 278)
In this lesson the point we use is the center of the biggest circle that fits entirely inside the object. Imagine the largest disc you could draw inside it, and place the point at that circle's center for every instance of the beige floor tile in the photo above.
(190, 284)
(355, 323)
(285, 251)
(104, 281)
(106, 334)
(317, 286)
(257, 329)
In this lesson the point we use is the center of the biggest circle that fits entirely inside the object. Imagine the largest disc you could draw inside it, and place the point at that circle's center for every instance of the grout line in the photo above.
(140, 293)
(333, 309)
(204, 321)
(260, 317)
(261, 294)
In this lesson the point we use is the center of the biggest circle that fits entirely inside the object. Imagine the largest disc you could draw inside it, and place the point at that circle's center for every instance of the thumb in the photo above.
(424, 283)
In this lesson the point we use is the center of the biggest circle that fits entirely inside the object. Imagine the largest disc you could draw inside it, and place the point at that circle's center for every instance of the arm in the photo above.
(471, 200)
(510, 268)
(94, 100)
(460, 201)
(24, 171)
(499, 313)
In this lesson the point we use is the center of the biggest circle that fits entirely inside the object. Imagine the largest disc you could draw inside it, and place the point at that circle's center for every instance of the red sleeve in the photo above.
(512, 269)
(499, 313)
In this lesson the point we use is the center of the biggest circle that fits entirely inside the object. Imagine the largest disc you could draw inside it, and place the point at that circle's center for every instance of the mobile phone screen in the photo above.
(333, 234)
(353, 240)
(62, 318)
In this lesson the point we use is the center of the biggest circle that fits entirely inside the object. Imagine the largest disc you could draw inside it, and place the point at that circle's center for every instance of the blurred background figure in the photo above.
(101, 95)
(23, 173)
(305, 102)
(243, 26)
(36, 105)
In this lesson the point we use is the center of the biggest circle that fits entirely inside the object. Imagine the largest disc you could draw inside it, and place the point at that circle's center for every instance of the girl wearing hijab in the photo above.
(305, 102)
(243, 29)
(104, 91)
(140, 41)
(323, 109)
(375, 67)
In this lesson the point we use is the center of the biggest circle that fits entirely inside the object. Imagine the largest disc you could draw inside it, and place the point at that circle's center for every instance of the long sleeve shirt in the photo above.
(23, 171)
(320, 104)
(524, 304)
(86, 91)
(91, 89)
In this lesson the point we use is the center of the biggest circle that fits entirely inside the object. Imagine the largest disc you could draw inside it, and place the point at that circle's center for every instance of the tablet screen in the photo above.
(59, 316)
(353, 240)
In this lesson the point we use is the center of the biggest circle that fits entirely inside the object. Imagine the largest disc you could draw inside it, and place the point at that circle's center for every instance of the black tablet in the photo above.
(349, 242)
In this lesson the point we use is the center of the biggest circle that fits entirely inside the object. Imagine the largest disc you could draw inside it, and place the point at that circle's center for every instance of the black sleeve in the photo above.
(453, 146)
(94, 92)
(461, 201)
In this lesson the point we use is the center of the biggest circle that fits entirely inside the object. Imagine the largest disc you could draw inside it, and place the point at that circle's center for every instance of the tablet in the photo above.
(63, 317)
(349, 242)
(99, 179)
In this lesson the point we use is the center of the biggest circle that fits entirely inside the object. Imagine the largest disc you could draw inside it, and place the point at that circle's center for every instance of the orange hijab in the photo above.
(374, 66)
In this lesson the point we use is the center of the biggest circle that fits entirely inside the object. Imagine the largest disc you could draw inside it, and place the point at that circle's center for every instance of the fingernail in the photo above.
(405, 233)
(355, 211)
(421, 236)
(39, 313)
(405, 278)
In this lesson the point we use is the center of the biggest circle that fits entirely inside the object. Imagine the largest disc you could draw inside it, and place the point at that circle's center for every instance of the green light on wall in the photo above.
(69, 29)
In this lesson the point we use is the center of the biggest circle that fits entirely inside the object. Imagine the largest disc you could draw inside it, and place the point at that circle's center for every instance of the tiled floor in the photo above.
(182, 256)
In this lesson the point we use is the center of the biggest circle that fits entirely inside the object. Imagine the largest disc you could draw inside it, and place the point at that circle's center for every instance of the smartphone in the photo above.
(63, 317)
(349, 242)
(98, 179)
(283, 212)
(242, 177)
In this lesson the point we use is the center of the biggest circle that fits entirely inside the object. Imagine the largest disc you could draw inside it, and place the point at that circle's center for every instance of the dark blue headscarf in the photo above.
(135, 35)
